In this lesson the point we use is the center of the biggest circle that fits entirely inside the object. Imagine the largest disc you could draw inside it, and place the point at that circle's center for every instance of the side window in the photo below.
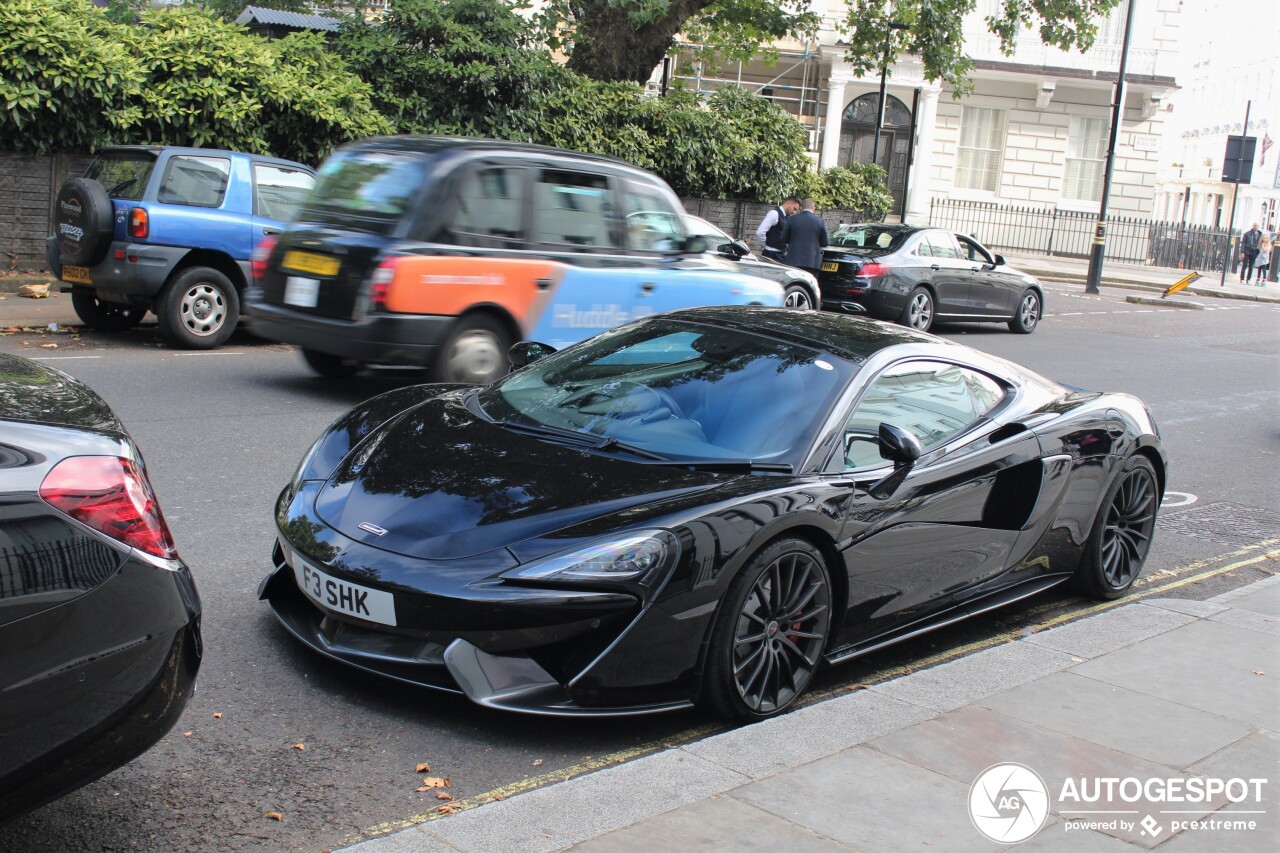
(930, 399)
(572, 211)
(488, 209)
(923, 249)
(973, 251)
(195, 181)
(279, 191)
(944, 245)
(653, 224)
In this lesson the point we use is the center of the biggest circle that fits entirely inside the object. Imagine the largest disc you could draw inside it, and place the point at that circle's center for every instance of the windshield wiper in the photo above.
(734, 465)
(579, 439)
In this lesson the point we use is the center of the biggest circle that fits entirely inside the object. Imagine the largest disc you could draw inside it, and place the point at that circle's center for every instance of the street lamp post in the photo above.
(1117, 114)
(884, 74)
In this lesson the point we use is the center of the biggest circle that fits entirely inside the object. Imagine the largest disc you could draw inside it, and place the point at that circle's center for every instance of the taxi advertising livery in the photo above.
(442, 253)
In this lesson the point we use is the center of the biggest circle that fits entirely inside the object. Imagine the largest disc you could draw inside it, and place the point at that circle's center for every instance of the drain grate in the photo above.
(1222, 522)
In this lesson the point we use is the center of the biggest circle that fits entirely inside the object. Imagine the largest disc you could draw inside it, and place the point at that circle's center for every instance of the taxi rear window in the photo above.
(365, 190)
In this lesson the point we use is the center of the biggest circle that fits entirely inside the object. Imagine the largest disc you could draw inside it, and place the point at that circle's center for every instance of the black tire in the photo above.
(331, 366)
(198, 309)
(475, 352)
(83, 221)
(797, 296)
(919, 310)
(771, 634)
(1027, 315)
(1122, 530)
(104, 316)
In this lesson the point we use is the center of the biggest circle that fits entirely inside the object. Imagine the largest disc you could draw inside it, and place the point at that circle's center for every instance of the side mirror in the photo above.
(1000, 261)
(902, 449)
(527, 352)
(737, 248)
(694, 245)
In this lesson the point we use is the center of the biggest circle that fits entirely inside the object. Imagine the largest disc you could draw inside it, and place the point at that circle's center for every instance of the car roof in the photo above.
(427, 144)
(852, 338)
(180, 149)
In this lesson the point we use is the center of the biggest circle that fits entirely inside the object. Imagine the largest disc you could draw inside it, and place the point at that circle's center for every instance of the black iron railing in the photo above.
(1066, 233)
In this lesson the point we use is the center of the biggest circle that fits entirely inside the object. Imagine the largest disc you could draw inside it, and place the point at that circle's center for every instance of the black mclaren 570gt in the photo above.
(702, 507)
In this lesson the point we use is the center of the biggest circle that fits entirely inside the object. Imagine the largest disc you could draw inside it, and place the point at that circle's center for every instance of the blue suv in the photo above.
(169, 230)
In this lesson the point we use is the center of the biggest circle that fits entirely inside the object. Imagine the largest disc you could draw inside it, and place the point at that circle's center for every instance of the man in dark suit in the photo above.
(804, 235)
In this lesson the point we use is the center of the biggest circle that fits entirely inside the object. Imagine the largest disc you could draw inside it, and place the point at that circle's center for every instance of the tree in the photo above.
(626, 39)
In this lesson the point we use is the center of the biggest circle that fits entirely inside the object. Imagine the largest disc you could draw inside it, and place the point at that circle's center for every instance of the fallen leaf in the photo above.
(1075, 659)
(273, 815)
(300, 746)
(436, 782)
(424, 767)
(537, 762)
(856, 687)
(49, 346)
(1258, 672)
(449, 808)
(441, 795)
(186, 734)
(217, 715)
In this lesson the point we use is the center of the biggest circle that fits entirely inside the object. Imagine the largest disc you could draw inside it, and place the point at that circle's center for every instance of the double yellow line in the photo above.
(1145, 587)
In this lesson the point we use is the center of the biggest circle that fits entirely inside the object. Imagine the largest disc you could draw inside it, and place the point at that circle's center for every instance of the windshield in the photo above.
(364, 190)
(678, 389)
(870, 240)
(124, 174)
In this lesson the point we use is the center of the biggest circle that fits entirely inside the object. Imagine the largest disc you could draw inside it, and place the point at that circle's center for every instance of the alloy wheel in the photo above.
(1029, 311)
(798, 297)
(1130, 521)
(780, 632)
(920, 312)
(203, 309)
(476, 356)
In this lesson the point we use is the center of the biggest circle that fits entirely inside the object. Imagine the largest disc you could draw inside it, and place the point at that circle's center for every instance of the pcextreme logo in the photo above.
(1009, 803)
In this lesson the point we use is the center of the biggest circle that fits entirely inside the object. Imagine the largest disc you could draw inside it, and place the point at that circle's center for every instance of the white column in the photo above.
(831, 123)
(917, 212)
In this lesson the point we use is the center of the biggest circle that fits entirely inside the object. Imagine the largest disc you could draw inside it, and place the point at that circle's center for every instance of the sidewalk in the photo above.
(1147, 695)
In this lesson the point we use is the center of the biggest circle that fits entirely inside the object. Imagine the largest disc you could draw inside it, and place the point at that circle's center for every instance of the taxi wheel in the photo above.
(104, 316)
(198, 309)
(797, 296)
(475, 352)
(331, 366)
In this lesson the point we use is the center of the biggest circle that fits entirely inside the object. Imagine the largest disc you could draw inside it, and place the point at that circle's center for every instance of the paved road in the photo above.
(223, 431)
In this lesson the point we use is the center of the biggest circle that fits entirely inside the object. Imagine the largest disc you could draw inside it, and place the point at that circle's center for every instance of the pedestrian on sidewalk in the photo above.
(1262, 263)
(804, 235)
(770, 231)
(1249, 251)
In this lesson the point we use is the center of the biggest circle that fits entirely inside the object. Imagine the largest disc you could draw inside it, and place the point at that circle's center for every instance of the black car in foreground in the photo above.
(702, 507)
(919, 276)
(99, 618)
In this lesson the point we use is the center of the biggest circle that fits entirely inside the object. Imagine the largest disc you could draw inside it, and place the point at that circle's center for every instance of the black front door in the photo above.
(858, 134)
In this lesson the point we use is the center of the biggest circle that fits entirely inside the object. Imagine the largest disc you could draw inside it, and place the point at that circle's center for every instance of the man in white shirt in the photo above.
(770, 231)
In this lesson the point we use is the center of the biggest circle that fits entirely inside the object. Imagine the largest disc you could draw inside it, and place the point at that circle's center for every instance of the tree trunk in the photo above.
(609, 46)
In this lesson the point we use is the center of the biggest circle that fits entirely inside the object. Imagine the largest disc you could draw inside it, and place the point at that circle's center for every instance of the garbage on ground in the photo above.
(34, 291)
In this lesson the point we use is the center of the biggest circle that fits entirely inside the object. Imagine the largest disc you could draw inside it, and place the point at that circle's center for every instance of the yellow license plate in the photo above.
(310, 262)
(80, 275)
(830, 266)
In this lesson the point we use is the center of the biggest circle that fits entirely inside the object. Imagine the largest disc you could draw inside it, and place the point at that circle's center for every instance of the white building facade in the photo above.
(1229, 68)
(1033, 132)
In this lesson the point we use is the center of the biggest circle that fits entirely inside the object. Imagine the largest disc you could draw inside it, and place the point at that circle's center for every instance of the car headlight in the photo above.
(640, 557)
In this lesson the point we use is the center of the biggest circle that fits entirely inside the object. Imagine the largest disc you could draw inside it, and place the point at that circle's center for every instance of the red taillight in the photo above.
(111, 495)
(261, 254)
(139, 224)
(872, 270)
(380, 283)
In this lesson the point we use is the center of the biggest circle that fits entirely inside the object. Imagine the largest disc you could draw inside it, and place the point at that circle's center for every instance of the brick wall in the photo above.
(28, 185)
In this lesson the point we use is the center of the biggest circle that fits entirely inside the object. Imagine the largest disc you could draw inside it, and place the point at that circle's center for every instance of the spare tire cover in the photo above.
(84, 221)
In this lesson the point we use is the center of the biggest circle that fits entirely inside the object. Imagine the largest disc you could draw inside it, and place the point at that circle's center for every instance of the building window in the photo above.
(1086, 154)
(1111, 28)
(981, 146)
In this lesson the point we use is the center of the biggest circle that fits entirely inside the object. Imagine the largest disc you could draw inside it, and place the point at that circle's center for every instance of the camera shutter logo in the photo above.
(1008, 803)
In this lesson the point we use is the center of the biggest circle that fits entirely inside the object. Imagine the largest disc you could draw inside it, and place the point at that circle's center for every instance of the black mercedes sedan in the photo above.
(99, 618)
(702, 507)
(919, 276)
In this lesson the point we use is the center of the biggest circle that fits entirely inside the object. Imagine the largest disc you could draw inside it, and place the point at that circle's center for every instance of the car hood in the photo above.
(441, 483)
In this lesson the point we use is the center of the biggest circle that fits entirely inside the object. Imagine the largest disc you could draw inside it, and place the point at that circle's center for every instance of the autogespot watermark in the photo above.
(1010, 803)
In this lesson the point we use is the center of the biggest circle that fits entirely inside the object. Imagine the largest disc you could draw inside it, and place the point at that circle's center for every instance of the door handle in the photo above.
(269, 230)
(647, 287)
(934, 267)
(543, 283)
